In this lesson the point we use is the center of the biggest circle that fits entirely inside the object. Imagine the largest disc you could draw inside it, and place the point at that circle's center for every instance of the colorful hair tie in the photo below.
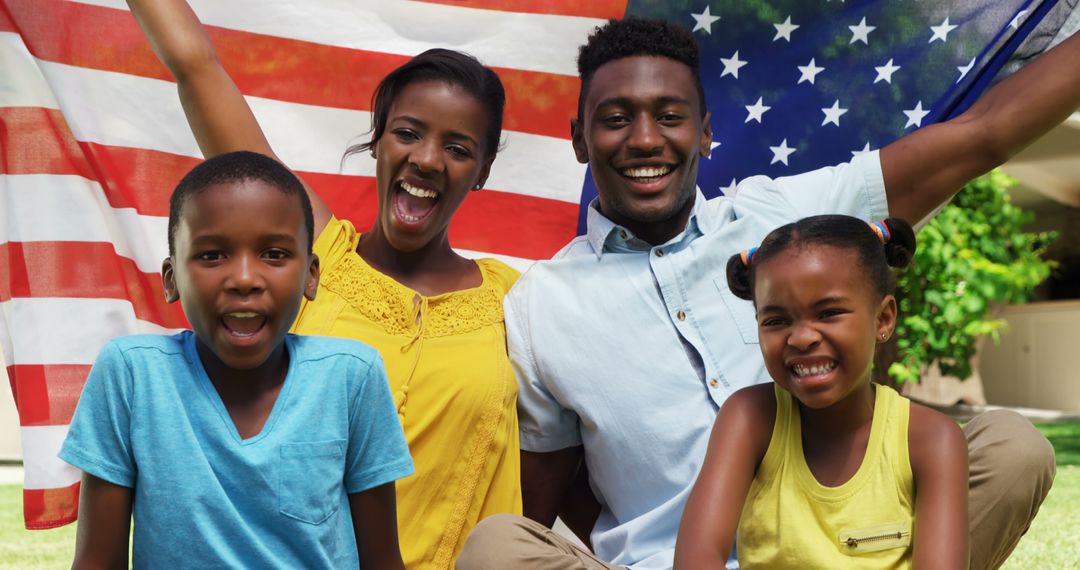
(882, 231)
(747, 256)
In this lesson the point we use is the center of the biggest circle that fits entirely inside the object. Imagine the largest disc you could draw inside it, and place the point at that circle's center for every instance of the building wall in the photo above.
(1037, 363)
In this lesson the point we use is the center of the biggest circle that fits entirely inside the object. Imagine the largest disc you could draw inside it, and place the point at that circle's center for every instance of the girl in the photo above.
(824, 469)
(435, 317)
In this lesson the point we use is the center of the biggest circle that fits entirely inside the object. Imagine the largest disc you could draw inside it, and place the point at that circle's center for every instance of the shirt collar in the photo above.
(605, 235)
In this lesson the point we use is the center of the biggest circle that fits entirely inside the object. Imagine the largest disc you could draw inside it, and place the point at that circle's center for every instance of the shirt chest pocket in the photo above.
(311, 480)
(742, 312)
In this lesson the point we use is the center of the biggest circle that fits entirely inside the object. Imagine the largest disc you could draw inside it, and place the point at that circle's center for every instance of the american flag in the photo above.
(93, 139)
(795, 85)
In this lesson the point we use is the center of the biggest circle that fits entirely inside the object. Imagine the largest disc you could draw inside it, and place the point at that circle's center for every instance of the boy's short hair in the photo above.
(238, 166)
(636, 36)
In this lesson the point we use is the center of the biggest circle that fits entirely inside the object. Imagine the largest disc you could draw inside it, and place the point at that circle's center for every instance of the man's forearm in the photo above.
(545, 479)
(1026, 105)
(580, 508)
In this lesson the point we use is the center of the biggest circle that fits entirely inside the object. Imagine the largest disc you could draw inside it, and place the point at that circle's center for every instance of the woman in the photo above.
(435, 316)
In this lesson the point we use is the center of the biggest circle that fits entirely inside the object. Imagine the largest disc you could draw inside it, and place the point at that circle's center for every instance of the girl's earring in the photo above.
(478, 186)
(884, 337)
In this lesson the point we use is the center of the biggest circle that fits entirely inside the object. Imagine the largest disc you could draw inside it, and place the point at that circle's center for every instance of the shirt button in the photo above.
(659, 253)
(681, 316)
(713, 383)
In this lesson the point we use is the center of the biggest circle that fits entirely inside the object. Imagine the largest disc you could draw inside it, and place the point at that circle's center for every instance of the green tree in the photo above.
(971, 256)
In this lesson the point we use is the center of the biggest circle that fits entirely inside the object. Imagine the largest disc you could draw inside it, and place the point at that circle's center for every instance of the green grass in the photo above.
(1053, 540)
(30, 550)
(1066, 440)
(1051, 543)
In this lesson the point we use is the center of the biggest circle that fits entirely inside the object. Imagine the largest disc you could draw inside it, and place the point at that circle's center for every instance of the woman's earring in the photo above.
(478, 186)
(884, 337)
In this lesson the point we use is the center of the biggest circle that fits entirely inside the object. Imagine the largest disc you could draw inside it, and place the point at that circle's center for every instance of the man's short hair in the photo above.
(636, 36)
(238, 166)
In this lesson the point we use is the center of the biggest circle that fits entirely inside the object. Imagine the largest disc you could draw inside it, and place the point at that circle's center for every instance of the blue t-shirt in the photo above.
(149, 418)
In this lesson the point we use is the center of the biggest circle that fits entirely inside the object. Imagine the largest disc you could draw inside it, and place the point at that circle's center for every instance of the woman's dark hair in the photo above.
(837, 231)
(449, 66)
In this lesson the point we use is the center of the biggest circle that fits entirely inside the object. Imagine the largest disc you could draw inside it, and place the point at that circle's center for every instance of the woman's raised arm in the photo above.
(217, 112)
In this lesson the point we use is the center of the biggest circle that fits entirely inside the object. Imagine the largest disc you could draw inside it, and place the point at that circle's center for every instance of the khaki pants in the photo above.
(1011, 465)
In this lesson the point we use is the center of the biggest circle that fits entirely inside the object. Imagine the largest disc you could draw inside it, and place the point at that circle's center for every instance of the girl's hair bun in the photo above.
(900, 249)
(739, 279)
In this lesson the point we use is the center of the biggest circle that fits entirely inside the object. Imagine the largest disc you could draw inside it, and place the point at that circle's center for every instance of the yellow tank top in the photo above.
(792, 521)
(452, 382)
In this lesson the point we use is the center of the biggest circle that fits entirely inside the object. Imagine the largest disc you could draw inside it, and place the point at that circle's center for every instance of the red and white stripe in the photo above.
(93, 139)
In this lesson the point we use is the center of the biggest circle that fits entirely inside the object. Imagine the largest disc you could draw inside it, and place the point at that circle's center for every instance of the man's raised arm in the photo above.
(928, 166)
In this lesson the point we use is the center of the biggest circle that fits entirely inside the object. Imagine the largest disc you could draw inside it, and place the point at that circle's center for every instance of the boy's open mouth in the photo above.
(243, 324)
(412, 204)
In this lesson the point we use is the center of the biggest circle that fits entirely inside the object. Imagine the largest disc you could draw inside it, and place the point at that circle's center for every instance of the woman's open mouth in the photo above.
(411, 204)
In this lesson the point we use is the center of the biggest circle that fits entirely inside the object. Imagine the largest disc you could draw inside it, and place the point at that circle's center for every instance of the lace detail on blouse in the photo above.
(391, 305)
(495, 409)
(465, 311)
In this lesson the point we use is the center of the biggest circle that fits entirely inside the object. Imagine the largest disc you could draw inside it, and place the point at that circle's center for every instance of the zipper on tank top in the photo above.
(876, 538)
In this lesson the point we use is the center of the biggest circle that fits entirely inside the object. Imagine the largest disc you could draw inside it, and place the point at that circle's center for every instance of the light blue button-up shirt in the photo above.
(630, 349)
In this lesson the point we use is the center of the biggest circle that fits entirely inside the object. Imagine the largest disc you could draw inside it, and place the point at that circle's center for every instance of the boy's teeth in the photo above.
(418, 192)
(647, 171)
(243, 315)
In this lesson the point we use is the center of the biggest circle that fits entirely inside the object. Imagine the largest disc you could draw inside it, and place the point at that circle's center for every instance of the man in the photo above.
(627, 343)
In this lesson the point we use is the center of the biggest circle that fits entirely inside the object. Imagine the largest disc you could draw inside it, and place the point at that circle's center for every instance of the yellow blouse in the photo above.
(452, 382)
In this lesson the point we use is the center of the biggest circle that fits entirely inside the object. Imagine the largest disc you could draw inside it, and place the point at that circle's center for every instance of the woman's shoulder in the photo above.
(501, 275)
(337, 239)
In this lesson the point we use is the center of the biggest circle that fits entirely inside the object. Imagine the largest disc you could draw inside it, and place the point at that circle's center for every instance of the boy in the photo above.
(237, 444)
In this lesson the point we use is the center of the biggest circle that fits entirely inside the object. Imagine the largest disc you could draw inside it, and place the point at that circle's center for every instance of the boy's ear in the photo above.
(577, 138)
(311, 284)
(886, 318)
(168, 280)
(706, 136)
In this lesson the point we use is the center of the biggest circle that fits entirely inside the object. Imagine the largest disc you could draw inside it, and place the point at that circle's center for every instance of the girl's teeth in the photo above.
(418, 192)
(813, 370)
(243, 315)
